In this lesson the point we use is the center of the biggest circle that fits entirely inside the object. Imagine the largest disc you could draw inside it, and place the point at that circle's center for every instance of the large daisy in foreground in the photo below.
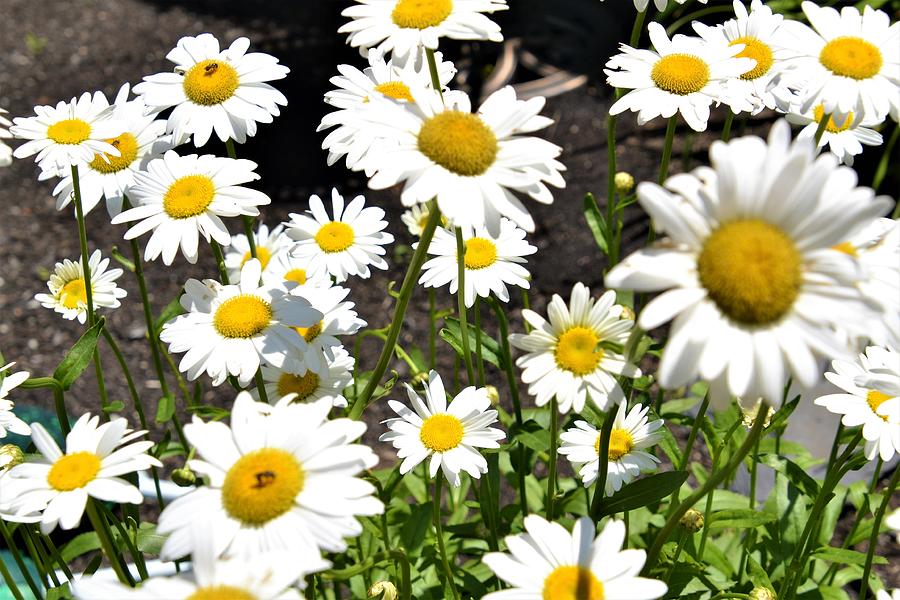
(281, 477)
(549, 562)
(747, 266)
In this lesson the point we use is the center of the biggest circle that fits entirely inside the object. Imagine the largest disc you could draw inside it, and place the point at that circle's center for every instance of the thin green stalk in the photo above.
(882, 168)
(715, 463)
(726, 129)
(103, 533)
(220, 261)
(439, 533)
(39, 556)
(10, 582)
(603, 465)
(461, 304)
(745, 546)
(406, 290)
(479, 360)
(17, 556)
(432, 328)
(610, 185)
(823, 125)
(689, 447)
(136, 555)
(835, 444)
(876, 527)
(54, 553)
(432, 69)
(261, 387)
(551, 462)
(637, 28)
(682, 537)
(675, 26)
(667, 149)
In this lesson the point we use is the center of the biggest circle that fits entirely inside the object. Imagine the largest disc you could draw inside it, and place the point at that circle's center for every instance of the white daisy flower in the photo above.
(683, 75)
(415, 219)
(490, 262)
(181, 198)
(548, 562)
(281, 477)
(471, 162)
(111, 177)
(400, 27)
(343, 245)
(291, 270)
(844, 141)
(847, 61)
(6, 153)
(761, 34)
(70, 133)
(230, 329)
(213, 89)
(9, 421)
(269, 244)
(871, 398)
(55, 488)
(449, 434)
(310, 386)
(354, 137)
(68, 293)
(631, 434)
(747, 266)
(884, 595)
(577, 353)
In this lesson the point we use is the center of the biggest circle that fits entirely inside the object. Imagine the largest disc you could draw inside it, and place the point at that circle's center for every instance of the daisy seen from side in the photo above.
(269, 244)
(844, 141)
(291, 270)
(68, 293)
(8, 420)
(311, 386)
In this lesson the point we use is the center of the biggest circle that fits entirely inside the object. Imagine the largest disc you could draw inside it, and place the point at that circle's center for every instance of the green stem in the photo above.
(136, 555)
(689, 448)
(876, 527)
(726, 129)
(432, 328)
(667, 149)
(439, 533)
(882, 168)
(820, 130)
(103, 533)
(479, 361)
(17, 556)
(220, 261)
(610, 186)
(551, 462)
(40, 556)
(10, 582)
(682, 536)
(432, 69)
(261, 387)
(709, 498)
(54, 552)
(461, 304)
(637, 28)
(603, 465)
(675, 26)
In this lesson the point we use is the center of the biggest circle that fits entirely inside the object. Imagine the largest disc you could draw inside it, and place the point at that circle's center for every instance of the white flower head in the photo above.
(311, 386)
(6, 153)
(844, 141)
(292, 270)
(269, 244)
(9, 421)
(68, 292)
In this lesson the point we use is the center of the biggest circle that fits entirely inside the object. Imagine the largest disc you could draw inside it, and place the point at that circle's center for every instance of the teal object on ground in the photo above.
(35, 414)
(5, 592)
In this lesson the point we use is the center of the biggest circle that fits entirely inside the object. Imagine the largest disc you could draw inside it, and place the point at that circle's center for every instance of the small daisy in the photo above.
(630, 435)
(847, 61)
(311, 386)
(229, 329)
(683, 75)
(111, 177)
(9, 421)
(747, 268)
(402, 26)
(68, 293)
(180, 198)
(490, 262)
(577, 353)
(71, 133)
(281, 477)
(344, 245)
(415, 219)
(293, 271)
(472, 162)
(55, 488)
(549, 562)
(268, 245)
(213, 89)
(871, 398)
(6, 153)
(844, 141)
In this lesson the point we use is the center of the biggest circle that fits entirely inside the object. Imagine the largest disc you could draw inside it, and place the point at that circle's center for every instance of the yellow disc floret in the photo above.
(458, 141)
(441, 432)
(302, 385)
(620, 444)
(846, 248)
(127, 146)
(69, 131)
(73, 294)
(262, 254)
(758, 51)
(242, 316)
(310, 333)
(680, 74)
(210, 82)
(572, 583)
(852, 57)
(262, 485)
(296, 275)
(189, 196)
(480, 253)
(577, 350)
(832, 127)
(876, 399)
(335, 236)
(73, 471)
(221, 592)
(752, 270)
(395, 89)
(421, 14)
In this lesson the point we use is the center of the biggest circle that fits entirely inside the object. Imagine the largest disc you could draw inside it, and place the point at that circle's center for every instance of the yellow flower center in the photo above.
(876, 399)
(852, 57)
(396, 90)
(296, 275)
(819, 114)
(421, 14)
(127, 146)
(73, 471)
(335, 236)
(262, 254)
(577, 351)
(680, 74)
(210, 82)
(480, 253)
(846, 248)
(69, 131)
(189, 196)
(242, 316)
(458, 141)
(310, 333)
(73, 294)
(620, 444)
(262, 485)
(572, 583)
(302, 385)
(221, 592)
(758, 51)
(441, 432)
(752, 271)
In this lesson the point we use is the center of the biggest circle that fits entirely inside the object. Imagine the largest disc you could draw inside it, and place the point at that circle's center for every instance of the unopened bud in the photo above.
(627, 313)
(10, 456)
(384, 590)
(184, 477)
(420, 379)
(762, 593)
(493, 394)
(624, 182)
(751, 411)
(692, 520)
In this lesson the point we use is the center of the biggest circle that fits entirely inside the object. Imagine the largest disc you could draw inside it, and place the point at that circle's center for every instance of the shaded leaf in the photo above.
(78, 357)
(596, 222)
(740, 518)
(643, 492)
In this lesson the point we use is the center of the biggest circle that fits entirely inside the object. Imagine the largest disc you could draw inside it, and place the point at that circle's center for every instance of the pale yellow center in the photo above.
(69, 131)
(189, 196)
(73, 471)
(262, 254)
(262, 485)
(127, 146)
(336, 236)
(572, 583)
(876, 399)
(819, 114)
(620, 444)
(680, 74)
(480, 253)
(577, 351)
(458, 141)
(758, 51)
(421, 14)
(210, 82)
(441, 432)
(395, 89)
(852, 57)
(752, 271)
(242, 316)
(221, 592)
(74, 294)
(310, 333)
(302, 385)
(296, 275)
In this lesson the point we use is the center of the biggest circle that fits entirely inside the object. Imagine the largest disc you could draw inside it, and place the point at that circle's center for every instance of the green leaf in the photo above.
(121, 259)
(740, 518)
(78, 357)
(80, 544)
(793, 472)
(531, 435)
(596, 222)
(59, 593)
(490, 349)
(644, 492)
(165, 410)
(757, 574)
(114, 407)
(148, 541)
(172, 310)
(844, 556)
(413, 532)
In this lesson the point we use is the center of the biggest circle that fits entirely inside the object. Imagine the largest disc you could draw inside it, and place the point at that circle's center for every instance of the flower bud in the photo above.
(184, 477)
(750, 412)
(692, 520)
(384, 590)
(10, 456)
(624, 182)
(762, 593)
(627, 313)
(493, 394)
